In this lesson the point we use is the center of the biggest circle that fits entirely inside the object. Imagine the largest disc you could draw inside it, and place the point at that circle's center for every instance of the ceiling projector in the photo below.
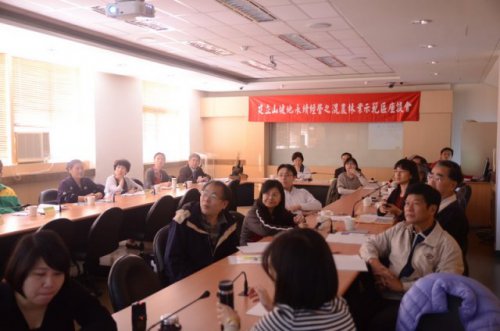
(129, 9)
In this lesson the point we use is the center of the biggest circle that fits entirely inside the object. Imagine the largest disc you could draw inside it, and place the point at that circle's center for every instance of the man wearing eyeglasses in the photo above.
(202, 232)
(445, 177)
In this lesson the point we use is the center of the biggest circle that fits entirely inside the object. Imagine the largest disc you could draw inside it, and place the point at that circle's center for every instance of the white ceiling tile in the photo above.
(331, 44)
(354, 43)
(223, 31)
(228, 17)
(283, 46)
(340, 52)
(201, 34)
(173, 22)
(201, 6)
(318, 37)
(176, 36)
(317, 52)
(201, 20)
(277, 28)
(346, 70)
(287, 13)
(344, 34)
(250, 29)
(319, 10)
(172, 7)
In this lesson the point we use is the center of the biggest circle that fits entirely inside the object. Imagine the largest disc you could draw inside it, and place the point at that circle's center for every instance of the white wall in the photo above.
(476, 102)
(118, 127)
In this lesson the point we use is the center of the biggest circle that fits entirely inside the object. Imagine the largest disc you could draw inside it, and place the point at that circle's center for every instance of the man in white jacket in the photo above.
(413, 249)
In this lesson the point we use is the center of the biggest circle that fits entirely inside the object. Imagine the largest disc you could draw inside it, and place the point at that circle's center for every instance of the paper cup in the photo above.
(349, 223)
(174, 182)
(367, 201)
(189, 183)
(32, 211)
(90, 200)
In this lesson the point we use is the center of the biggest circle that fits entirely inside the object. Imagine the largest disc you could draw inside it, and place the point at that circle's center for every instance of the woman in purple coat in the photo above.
(75, 187)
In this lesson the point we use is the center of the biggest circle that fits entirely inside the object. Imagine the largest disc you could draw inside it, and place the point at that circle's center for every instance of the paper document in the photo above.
(347, 238)
(132, 194)
(349, 262)
(370, 218)
(245, 259)
(257, 310)
(254, 248)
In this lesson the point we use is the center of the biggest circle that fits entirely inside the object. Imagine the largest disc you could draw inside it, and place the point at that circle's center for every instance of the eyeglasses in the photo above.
(436, 178)
(210, 195)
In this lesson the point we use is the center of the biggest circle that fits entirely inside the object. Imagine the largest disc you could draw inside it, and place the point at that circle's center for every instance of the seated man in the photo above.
(445, 154)
(192, 171)
(296, 199)
(445, 177)
(414, 248)
(9, 202)
(201, 233)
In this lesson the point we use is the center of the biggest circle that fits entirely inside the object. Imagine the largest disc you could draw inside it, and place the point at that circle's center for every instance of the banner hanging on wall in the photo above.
(366, 107)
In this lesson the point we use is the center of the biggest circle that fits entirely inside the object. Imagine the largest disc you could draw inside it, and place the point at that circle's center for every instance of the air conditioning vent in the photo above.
(32, 147)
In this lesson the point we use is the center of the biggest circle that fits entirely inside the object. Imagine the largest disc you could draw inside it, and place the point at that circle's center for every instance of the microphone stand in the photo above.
(245, 283)
(205, 294)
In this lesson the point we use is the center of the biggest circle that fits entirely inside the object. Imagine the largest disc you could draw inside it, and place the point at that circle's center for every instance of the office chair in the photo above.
(159, 244)
(238, 217)
(137, 181)
(245, 194)
(233, 186)
(333, 194)
(130, 279)
(103, 239)
(48, 196)
(160, 214)
(464, 192)
(190, 196)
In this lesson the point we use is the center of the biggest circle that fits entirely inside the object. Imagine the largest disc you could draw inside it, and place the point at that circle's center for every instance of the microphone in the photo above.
(365, 196)
(205, 294)
(245, 283)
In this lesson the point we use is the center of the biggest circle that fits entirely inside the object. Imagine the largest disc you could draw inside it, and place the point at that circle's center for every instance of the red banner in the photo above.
(367, 107)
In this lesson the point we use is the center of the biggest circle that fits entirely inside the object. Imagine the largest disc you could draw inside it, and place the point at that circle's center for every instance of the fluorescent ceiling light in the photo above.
(421, 21)
(298, 41)
(258, 65)
(330, 61)
(207, 47)
(249, 9)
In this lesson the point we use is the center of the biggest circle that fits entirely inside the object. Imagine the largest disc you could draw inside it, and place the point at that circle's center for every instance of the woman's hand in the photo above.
(98, 195)
(297, 219)
(258, 293)
(391, 208)
(228, 317)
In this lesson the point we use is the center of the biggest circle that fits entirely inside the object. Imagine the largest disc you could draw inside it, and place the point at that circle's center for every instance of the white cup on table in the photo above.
(189, 183)
(90, 200)
(349, 223)
(174, 182)
(32, 211)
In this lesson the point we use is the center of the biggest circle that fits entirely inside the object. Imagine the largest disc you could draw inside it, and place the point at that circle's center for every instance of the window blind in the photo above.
(4, 124)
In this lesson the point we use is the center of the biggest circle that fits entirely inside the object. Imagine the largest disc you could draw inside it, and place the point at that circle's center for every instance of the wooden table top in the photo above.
(202, 314)
(11, 224)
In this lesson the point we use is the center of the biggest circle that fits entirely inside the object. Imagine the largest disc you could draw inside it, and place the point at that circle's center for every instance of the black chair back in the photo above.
(190, 196)
(48, 196)
(233, 186)
(449, 320)
(245, 194)
(333, 193)
(238, 217)
(160, 214)
(131, 279)
(464, 192)
(104, 234)
(64, 228)
(159, 244)
(137, 181)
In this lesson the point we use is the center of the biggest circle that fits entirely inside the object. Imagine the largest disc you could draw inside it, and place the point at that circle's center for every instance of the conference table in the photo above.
(202, 314)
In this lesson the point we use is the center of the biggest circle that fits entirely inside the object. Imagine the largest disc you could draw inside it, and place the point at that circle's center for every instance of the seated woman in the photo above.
(422, 167)
(352, 179)
(405, 174)
(301, 266)
(76, 187)
(303, 172)
(118, 183)
(268, 215)
(37, 293)
(156, 174)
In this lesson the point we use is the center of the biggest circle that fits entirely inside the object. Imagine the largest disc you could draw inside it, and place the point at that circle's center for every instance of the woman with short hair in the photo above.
(118, 183)
(352, 179)
(76, 186)
(37, 293)
(303, 172)
(301, 266)
(268, 215)
(156, 174)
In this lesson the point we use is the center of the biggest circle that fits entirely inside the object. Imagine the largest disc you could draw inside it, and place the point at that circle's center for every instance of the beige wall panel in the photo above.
(436, 102)
(224, 106)
(427, 136)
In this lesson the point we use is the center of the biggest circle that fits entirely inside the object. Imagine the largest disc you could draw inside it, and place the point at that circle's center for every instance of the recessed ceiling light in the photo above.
(421, 21)
(207, 47)
(319, 25)
(435, 73)
(330, 61)
(258, 65)
(298, 41)
(428, 46)
(433, 62)
(249, 9)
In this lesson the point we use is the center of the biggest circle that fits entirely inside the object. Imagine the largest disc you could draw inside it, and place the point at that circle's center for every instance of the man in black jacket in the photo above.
(202, 232)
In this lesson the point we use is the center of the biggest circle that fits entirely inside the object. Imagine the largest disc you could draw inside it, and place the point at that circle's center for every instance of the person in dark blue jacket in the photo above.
(76, 187)
(201, 233)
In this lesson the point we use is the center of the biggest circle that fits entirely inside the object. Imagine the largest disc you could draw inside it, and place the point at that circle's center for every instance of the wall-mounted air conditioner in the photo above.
(32, 147)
